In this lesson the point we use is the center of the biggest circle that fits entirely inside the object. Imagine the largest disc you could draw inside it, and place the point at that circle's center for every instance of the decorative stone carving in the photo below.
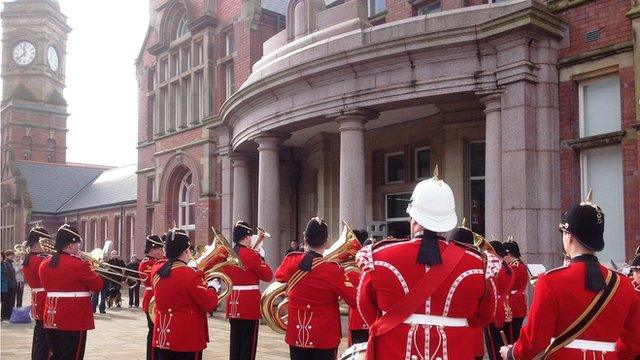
(301, 17)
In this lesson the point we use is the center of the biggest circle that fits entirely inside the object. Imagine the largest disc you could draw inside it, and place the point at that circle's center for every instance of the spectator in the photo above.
(294, 246)
(9, 286)
(17, 267)
(134, 292)
(115, 284)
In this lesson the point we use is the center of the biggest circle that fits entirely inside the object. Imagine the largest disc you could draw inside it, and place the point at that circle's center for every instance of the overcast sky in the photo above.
(101, 84)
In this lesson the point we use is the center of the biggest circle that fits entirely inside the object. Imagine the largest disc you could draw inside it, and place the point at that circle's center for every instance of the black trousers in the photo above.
(512, 329)
(152, 353)
(164, 354)
(359, 336)
(39, 347)
(493, 341)
(8, 302)
(66, 345)
(19, 292)
(297, 353)
(134, 295)
(243, 339)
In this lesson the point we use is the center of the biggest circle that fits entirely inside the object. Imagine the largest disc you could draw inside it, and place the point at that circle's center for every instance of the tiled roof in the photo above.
(278, 6)
(62, 188)
(114, 186)
(51, 185)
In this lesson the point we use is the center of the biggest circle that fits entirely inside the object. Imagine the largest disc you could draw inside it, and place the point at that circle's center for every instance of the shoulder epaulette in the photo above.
(385, 242)
(472, 248)
(556, 269)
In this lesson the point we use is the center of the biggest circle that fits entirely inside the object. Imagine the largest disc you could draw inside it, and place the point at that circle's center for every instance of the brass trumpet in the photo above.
(274, 300)
(113, 273)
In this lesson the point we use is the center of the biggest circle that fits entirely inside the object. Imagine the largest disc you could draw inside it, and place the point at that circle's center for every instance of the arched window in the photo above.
(181, 28)
(187, 203)
(27, 143)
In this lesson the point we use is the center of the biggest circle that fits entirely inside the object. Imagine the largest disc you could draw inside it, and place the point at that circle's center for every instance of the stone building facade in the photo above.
(338, 109)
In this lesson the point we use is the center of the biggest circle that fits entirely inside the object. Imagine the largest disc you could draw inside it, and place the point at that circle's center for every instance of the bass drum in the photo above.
(355, 352)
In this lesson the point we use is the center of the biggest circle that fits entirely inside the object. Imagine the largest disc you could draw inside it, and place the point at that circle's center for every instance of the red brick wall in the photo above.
(39, 136)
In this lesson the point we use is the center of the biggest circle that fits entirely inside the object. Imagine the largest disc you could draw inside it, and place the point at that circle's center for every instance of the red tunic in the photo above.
(314, 314)
(517, 298)
(31, 273)
(244, 301)
(145, 267)
(69, 286)
(504, 284)
(559, 299)
(391, 270)
(182, 303)
(356, 322)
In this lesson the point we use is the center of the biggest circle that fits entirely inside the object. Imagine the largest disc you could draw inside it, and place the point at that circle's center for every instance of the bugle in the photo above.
(261, 236)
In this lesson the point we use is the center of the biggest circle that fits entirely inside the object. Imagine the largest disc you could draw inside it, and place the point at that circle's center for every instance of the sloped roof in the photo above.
(52, 185)
(278, 6)
(113, 186)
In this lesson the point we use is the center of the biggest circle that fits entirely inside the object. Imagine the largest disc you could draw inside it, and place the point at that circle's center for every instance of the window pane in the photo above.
(376, 6)
(601, 106)
(423, 163)
(602, 171)
(397, 205)
(192, 214)
(395, 168)
(430, 8)
(476, 222)
(476, 159)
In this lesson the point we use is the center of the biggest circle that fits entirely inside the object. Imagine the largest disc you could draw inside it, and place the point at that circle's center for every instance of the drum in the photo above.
(355, 352)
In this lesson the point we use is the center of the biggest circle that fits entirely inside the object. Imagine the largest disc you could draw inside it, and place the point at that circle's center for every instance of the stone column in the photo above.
(241, 189)
(352, 177)
(493, 166)
(269, 194)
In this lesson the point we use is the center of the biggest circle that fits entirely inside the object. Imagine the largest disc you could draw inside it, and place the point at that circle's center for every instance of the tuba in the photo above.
(274, 300)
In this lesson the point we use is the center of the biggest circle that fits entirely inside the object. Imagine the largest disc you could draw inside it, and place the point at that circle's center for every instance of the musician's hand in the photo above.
(261, 251)
(215, 283)
(504, 350)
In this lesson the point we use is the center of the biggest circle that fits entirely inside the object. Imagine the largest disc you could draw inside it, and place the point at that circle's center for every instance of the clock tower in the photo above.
(33, 110)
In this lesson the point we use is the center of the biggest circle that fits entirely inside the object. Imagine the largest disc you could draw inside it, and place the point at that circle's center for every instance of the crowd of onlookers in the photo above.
(110, 295)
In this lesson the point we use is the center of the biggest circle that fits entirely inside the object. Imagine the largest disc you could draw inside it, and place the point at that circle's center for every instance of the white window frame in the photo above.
(181, 28)
(229, 43)
(106, 228)
(386, 209)
(228, 85)
(386, 167)
(188, 100)
(177, 105)
(200, 84)
(581, 86)
(167, 109)
(415, 162)
(371, 8)
(184, 203)
(132, 236)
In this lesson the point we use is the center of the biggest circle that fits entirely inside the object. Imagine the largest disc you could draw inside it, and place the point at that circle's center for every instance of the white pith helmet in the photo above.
(432, 205)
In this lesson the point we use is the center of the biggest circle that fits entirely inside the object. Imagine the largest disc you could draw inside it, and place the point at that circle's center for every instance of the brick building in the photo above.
(38, 185)
(276, 111)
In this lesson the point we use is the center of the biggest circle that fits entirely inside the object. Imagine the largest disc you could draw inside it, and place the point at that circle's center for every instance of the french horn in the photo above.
(274, 300)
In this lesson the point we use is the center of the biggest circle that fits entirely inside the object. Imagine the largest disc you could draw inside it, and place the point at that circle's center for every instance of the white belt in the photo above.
(68, 294)
(35, 290)
(148, 289)
(591, 345)
(245, 287)
(436, 320)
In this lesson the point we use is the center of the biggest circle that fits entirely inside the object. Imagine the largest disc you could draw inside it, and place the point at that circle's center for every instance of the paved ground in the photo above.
(121, 334)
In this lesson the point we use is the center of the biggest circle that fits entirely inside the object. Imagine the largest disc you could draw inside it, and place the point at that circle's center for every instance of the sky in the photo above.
(101, 88)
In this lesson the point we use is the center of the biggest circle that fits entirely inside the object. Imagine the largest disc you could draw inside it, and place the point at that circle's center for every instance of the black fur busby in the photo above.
(176, 242)
(241, 230)
(462, 235)
(511, 248)
(362, 235)
(35, 234)
(316, 232)
(153, 241)
(585, 221)
(498, 247)
(66, 235)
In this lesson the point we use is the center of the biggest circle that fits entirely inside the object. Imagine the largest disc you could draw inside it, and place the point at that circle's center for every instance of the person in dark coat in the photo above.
(9, 280)
(134, 291)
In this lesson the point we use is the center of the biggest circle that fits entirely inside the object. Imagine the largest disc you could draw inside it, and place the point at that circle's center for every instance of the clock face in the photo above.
(23, 53)
(52, 58)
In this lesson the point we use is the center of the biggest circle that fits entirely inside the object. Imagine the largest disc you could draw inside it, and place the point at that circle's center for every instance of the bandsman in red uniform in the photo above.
(424, 298)
(153, 249)
(358, 328)
(517, 296)
(313, 325)
(182, 301)
(68, 281)
(504, 283)
(582, 310)
(31, 267)
(243, 305)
